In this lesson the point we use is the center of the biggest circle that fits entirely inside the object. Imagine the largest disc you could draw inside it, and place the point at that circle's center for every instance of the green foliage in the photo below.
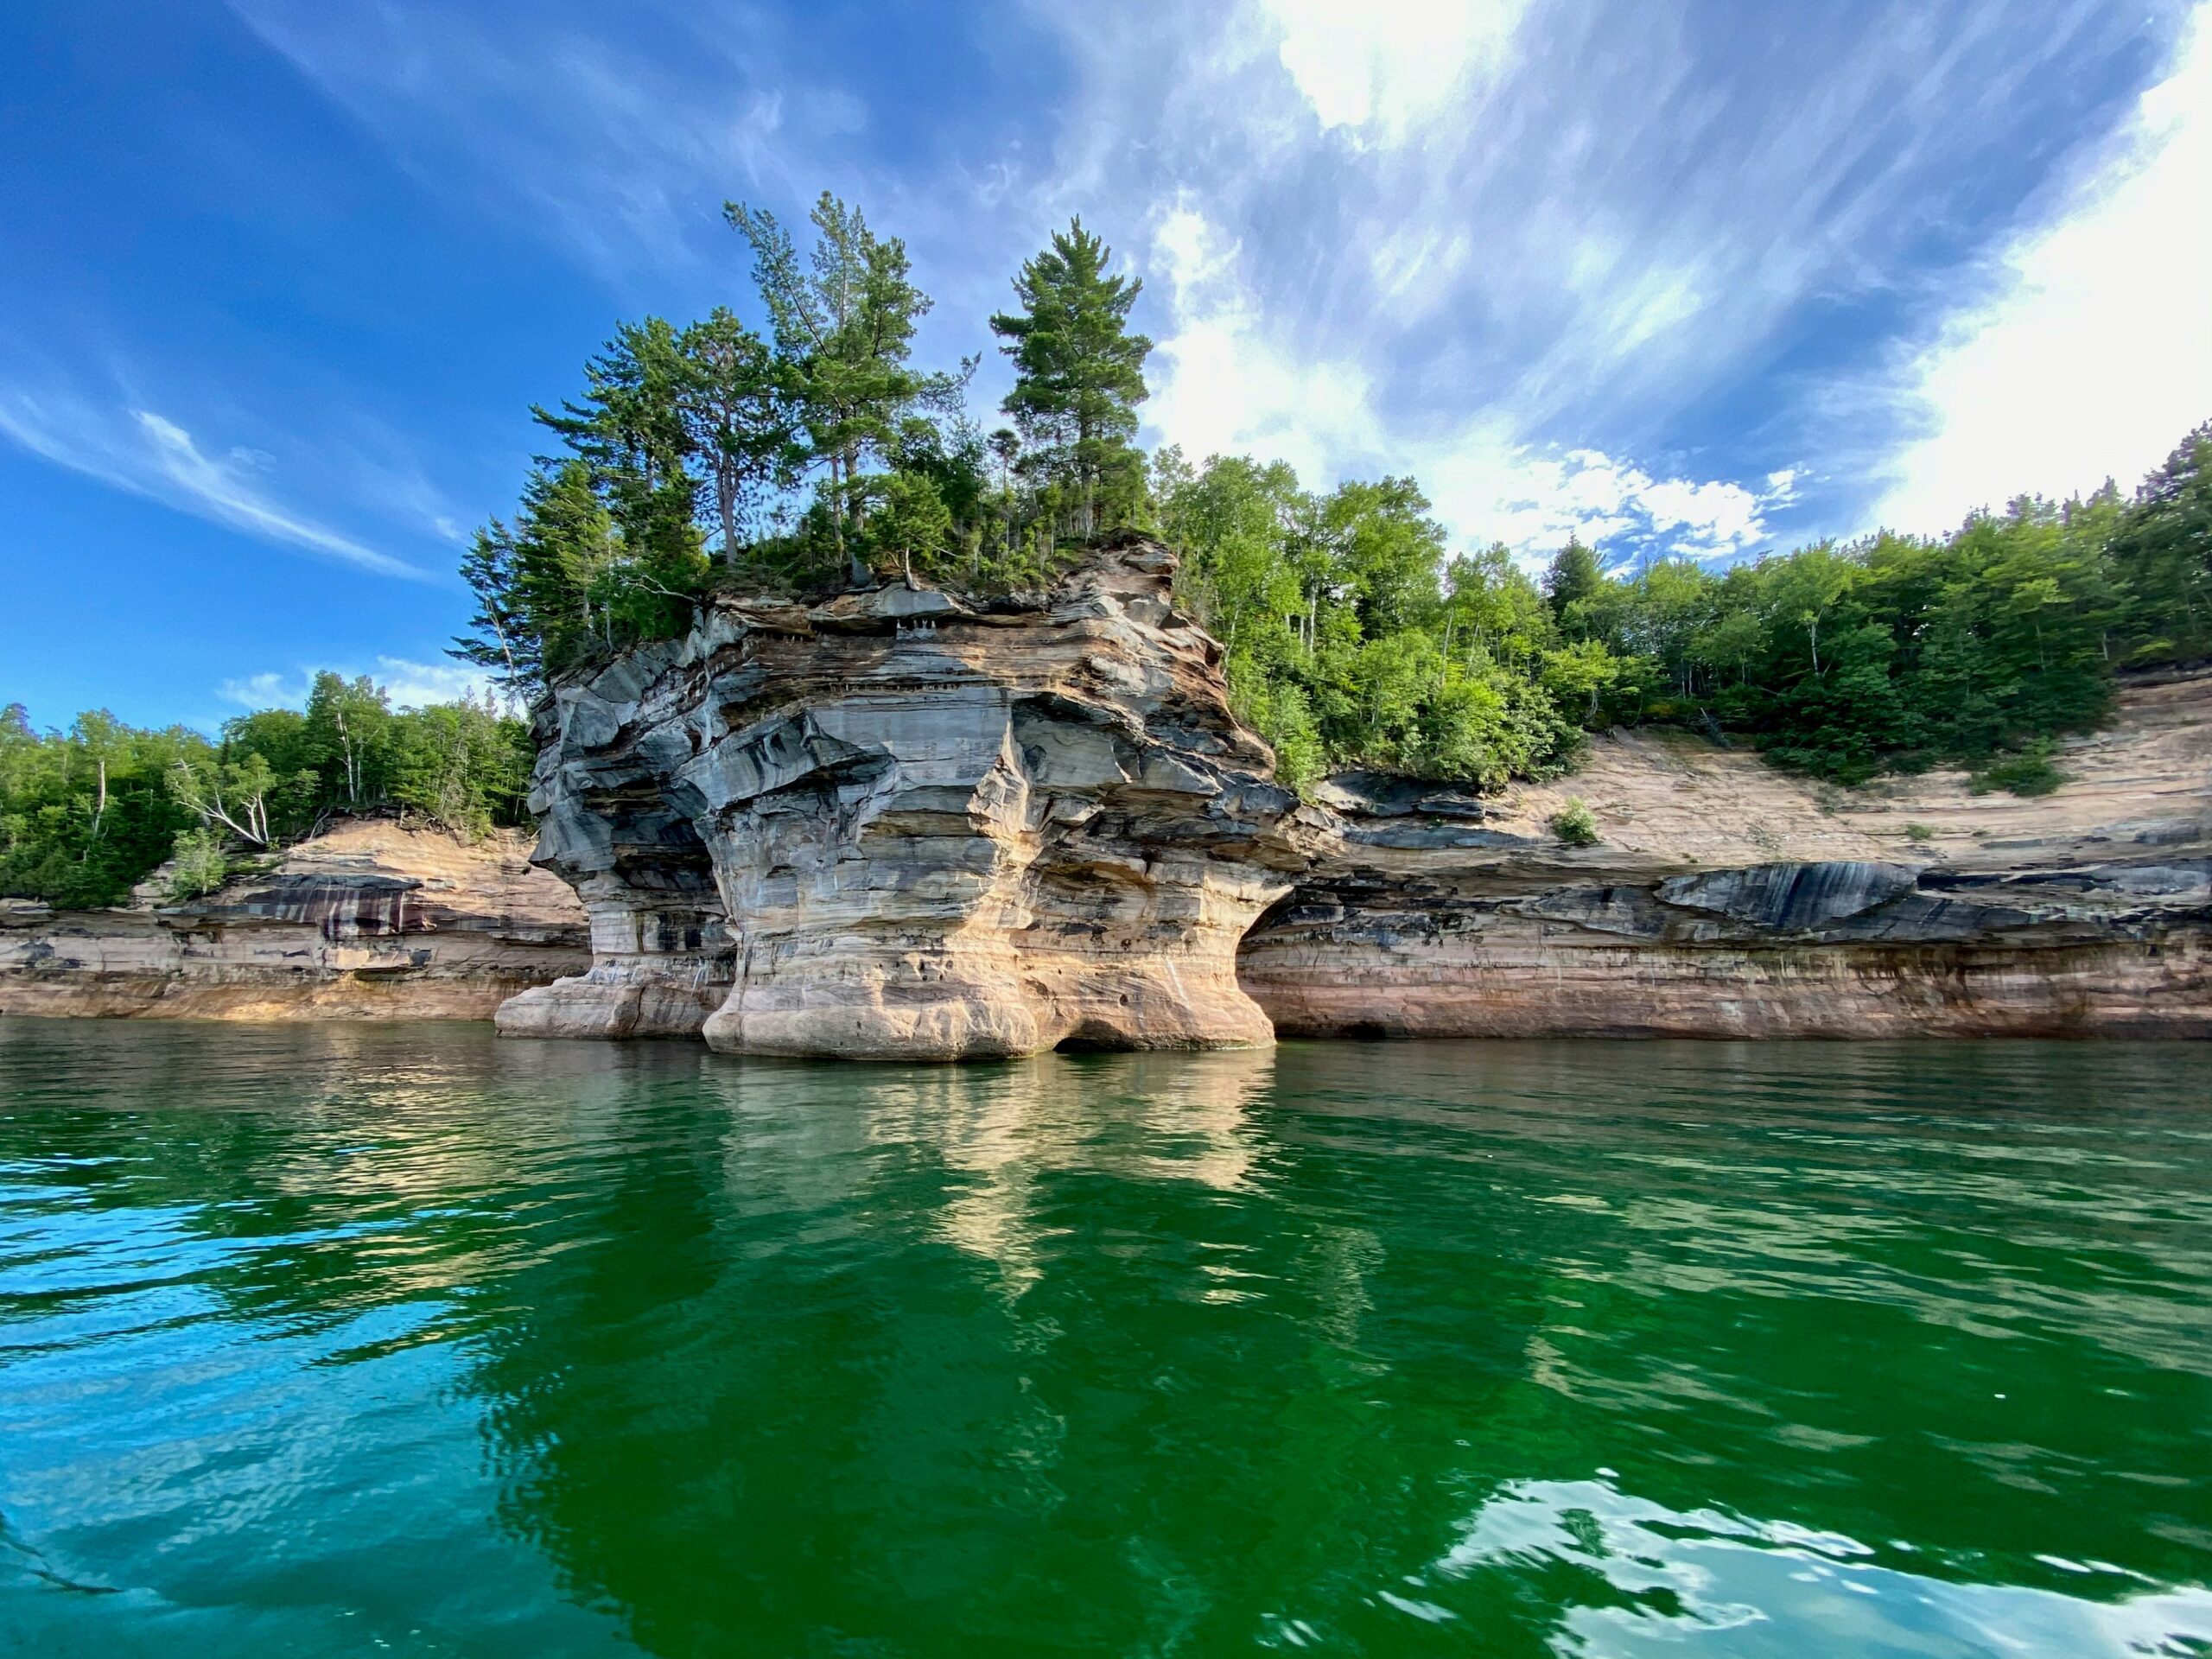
(2162, 555)
(2028, 772)
(1575, 825)
(1342, 645)
(1572, 582)
(1920, 832)
(908, 526)
(198, 865)
(462, 765)
(87, 813)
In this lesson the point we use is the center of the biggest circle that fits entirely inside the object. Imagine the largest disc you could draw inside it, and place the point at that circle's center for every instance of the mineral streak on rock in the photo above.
(896, 826)
(373, 920)
(893, 826)
(1729, 899)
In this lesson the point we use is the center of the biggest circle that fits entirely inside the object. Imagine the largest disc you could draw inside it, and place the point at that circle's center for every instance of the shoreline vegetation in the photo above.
(816, 456)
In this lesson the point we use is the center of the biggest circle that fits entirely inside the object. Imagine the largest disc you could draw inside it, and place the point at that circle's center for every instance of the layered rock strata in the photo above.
(373, 920)
(1729, 899)
(895, 826)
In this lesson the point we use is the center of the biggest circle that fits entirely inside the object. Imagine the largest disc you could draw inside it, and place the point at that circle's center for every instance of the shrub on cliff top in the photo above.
(2030, 772)
(1575, 825)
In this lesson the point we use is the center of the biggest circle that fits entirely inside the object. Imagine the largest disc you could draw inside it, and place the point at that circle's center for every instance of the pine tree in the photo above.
(1078, 372)
(844, 324)
(2163, 551)
(1574, 576)
(735, 406)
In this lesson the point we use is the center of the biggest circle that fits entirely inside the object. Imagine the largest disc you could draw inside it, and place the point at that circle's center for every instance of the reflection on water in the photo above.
(316, 1340)
(1636, 1577)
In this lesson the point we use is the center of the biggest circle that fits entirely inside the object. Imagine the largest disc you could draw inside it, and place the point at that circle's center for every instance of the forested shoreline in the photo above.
(816, 456)
(88, 812)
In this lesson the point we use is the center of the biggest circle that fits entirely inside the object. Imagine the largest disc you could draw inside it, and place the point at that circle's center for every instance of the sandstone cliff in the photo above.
(897, 826)
(1727, 899)
(373, 920)
(894, 826)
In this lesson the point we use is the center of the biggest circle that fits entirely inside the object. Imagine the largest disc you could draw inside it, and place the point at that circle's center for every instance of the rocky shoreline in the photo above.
(893, 826)
(898, 826)
(375, 920)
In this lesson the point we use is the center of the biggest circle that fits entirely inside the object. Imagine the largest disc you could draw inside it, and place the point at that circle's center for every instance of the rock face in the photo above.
(373, 920)
(893, 827)
(1729, 899)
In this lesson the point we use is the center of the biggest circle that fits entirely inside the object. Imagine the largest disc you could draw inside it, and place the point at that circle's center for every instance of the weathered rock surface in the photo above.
(373, 920)
(893, 827)
(1729, 899)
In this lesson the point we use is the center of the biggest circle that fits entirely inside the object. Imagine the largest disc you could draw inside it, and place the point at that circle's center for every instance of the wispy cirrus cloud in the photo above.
(409, 685)
(619, 146)
(145, 452)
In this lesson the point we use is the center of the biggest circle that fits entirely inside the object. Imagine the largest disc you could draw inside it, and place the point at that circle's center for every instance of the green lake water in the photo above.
(338, 1340)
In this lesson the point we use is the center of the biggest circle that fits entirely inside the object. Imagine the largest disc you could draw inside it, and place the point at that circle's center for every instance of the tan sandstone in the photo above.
(896, 826)
(374, 919)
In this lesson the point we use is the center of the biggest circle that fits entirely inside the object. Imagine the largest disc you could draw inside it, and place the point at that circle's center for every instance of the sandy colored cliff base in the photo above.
(1728, 899)
(373, 920)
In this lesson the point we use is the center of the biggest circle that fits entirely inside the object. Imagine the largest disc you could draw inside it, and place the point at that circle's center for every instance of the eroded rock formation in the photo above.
(373, 920)
(1729, 899)
(892, 826)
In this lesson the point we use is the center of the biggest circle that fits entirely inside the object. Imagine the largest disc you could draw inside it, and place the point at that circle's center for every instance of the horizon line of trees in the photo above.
(89, 813)
(1353, 636)
(813, 454)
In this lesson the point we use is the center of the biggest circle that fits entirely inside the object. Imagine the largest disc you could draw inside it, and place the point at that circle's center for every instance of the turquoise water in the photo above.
(347, 1340)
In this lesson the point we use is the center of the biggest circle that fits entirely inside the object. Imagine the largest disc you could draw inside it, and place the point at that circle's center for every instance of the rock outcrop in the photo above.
(893, 826)
(897, 826)
(373, 920)
(1729, 899)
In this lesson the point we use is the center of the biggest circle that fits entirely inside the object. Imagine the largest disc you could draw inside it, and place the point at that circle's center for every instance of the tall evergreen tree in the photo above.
(1079, 371)
(739, 420)
(1574, 576)
(843, 322)
(2163, 550)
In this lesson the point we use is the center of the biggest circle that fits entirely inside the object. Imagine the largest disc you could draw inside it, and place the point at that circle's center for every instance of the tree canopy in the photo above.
(88, 812)
(815, 453)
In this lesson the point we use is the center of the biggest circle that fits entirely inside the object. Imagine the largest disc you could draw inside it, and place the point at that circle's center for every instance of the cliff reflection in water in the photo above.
(313, 1334)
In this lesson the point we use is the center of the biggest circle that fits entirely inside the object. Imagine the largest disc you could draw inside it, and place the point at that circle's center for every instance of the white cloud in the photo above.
(1387, 65)
(1227, 381)
(409, 684)
(148, 454)
(412, 684)
(2095, 356)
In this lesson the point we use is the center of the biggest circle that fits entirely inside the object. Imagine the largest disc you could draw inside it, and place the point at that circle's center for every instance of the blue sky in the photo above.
(279, 280)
